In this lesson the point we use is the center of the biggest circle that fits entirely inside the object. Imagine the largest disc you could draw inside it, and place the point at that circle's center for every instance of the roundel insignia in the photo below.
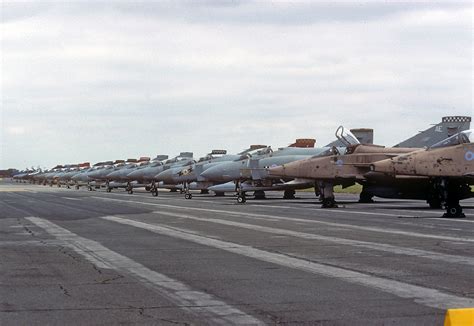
(339, 162)
(469, 156)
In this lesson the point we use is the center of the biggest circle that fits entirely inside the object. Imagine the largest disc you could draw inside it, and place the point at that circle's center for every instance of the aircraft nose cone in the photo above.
(165, 176)
(113, 175)
(214, 173)
(384, 166)
(134, 175)
(278, 171)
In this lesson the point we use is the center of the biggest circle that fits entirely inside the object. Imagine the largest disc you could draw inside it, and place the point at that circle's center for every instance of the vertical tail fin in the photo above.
(446, 128)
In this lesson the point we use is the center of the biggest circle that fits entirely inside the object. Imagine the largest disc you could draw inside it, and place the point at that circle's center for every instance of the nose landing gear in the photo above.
(154, 189)
(241, 198)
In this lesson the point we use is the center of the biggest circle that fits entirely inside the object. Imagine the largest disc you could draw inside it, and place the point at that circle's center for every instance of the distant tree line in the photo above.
(8, 173)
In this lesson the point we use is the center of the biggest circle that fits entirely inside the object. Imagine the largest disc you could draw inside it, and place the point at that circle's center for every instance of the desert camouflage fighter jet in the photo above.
(447, 165)
(352, 164)
(339, 167)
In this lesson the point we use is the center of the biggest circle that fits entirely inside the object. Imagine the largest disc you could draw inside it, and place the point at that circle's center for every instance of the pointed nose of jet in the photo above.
(222, 172)
(135, 175)
(76, 177)
(278, 171)
(113, 175)
(166, 176)
(293, 170)
(384, 166)
(213, 173)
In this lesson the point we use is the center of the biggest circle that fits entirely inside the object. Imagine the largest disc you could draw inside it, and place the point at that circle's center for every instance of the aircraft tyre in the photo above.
(259, 194)
(130, 191)
(77, 187)
(109, 189)
(329, 203)
(289, 194)
(241, 199)
(366, 198)
(454, 211)
(188, 196)
(154, 192)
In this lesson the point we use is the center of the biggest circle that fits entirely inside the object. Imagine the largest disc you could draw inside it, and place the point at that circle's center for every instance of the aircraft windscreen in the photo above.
(346, 137)
(255, 152)
(470, 135)
(460, 138)
(206, 158)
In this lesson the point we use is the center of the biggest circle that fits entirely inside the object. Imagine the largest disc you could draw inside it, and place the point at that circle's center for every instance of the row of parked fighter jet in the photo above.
(427, 168)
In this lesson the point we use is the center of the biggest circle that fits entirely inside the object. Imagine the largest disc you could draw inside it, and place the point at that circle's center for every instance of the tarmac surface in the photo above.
(75, 257)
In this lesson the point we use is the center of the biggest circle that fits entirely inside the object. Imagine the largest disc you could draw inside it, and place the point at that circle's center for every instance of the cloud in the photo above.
(129, 79)
(17, 130)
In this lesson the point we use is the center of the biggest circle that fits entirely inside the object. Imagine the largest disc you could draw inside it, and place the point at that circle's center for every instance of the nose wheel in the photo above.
(129, 188)
(241, 198)
(185, 189)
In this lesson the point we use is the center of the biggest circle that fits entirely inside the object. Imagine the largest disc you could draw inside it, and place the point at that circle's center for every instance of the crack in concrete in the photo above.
(108, 280)
(65, 291)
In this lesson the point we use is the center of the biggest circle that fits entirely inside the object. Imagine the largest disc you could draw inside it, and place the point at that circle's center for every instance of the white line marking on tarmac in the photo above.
(370, 245)
(443, 219)
(274, 217)
(425, 296)
(20, 242)
(366, 213)
(71, 198)
(200, 303)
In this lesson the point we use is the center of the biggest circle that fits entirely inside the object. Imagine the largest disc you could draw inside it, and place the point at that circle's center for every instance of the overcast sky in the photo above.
(91, 81)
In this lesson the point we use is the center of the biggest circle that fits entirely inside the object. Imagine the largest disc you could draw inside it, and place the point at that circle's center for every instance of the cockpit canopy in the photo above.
(463, 137)
(256, 152)
(346, 137)
(156, 163)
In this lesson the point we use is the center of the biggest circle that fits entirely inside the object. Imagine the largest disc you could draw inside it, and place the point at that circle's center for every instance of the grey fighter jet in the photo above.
(147, 175)
(248, 173)
(119, 177)
(190, 176)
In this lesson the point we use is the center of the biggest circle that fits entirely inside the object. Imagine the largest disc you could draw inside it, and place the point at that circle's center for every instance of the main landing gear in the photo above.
(129, 188)
(327, 195)
(451, 192)
(154, 189)
(259, 194)
(289, 194)
(366, 197)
